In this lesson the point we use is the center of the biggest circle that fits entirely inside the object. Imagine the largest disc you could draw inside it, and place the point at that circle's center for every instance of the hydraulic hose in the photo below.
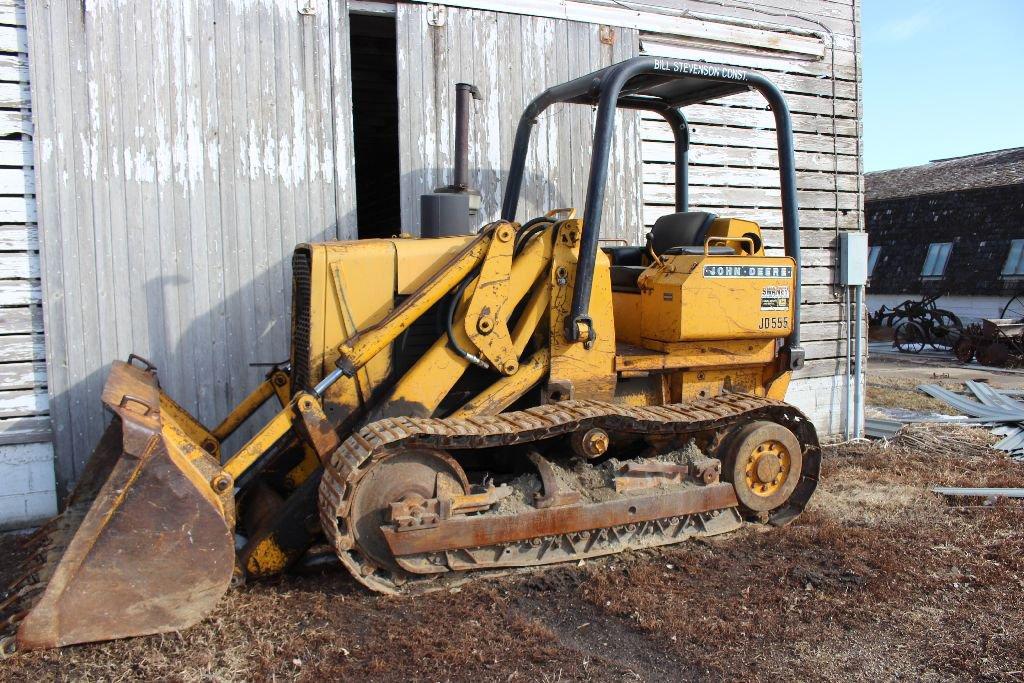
(529, 230)
(450, 322)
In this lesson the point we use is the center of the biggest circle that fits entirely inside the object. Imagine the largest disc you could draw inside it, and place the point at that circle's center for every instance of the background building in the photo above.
(160, 158)
(953, 227)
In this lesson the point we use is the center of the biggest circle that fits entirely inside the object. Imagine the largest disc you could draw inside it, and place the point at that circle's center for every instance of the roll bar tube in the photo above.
(607, 87)
(680, 133)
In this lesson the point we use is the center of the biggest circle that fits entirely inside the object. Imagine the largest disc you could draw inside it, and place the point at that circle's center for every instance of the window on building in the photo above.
(937, 258)
(873, 253)
(1015, 259)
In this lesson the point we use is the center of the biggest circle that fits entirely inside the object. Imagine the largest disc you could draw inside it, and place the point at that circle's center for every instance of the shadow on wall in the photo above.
(207, 362)
(220, 355)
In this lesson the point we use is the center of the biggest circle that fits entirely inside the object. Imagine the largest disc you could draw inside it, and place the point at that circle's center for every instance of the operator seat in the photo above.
(682, 232)
(683, 229)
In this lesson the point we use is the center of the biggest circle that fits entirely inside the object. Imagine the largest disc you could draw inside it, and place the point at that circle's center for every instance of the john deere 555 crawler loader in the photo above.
(516, 397)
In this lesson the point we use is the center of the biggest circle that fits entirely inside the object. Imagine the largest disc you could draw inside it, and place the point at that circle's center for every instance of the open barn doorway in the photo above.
(375, 124)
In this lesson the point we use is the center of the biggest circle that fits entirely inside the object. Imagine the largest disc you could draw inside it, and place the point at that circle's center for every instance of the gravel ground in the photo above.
(880, 579)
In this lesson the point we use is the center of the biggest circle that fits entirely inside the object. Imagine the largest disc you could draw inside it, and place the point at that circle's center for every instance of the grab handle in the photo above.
(726, 240)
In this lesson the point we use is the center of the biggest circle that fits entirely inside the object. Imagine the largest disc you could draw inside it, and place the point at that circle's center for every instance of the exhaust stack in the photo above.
(452, 209)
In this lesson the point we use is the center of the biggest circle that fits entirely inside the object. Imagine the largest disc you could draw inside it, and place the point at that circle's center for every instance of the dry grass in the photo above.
(899, 392)
(880, 579)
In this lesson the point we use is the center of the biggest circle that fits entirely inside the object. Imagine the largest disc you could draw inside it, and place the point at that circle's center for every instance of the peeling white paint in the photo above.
(270, 168)
(298, 144)
(213, 153)
(145, 168)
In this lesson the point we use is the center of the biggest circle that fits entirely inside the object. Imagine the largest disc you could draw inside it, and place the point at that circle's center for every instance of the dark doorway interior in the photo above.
(375, 125)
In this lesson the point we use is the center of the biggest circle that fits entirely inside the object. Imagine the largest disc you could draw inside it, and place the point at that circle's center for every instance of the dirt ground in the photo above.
(879, 580)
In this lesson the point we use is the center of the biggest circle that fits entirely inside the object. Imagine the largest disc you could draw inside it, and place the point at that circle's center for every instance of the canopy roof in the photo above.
(665, 89)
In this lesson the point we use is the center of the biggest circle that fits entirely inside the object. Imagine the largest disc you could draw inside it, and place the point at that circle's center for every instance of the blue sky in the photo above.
(941, 78)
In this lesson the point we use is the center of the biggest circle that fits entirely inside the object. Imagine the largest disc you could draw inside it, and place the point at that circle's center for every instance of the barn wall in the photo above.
(184, 147)
(511, 58)
(27, 487)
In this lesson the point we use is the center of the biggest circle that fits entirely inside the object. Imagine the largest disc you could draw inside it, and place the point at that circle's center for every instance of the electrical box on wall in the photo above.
(853, 259)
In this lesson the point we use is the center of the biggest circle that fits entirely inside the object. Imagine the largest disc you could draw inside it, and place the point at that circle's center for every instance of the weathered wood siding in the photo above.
(27, 488)
(184, 147)
(511, 58)
(23, 400)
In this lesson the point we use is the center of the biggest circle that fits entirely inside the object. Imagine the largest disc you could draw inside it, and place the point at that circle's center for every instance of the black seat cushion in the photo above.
(685, 229)
(624, 278)
(625, 256)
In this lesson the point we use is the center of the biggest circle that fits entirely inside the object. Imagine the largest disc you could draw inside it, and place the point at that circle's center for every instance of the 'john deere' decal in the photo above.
(748, 271)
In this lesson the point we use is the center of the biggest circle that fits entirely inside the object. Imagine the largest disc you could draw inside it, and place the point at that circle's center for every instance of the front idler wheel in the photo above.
(413, 474)
(763, 460)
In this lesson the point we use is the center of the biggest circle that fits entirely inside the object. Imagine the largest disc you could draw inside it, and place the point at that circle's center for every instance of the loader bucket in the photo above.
(145, 544)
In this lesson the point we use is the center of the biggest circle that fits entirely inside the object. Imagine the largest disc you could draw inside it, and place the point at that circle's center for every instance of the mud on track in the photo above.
(878, 579)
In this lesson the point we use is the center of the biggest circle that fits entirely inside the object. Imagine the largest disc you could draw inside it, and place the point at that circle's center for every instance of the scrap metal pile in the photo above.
(993, 408)
(960, 435)
(964, 439)
(997, 342)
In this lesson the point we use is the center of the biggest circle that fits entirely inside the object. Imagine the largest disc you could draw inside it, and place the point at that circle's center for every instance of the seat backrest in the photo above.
(684, 229)
(625, 256)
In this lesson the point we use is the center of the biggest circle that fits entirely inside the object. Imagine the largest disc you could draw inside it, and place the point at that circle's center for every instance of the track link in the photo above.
(385, 437)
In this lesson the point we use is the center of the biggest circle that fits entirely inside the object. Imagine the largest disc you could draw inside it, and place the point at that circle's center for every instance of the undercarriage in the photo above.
(407, 505)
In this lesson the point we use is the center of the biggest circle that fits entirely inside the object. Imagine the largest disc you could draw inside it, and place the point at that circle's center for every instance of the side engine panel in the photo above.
(341, 288)
(699, 297)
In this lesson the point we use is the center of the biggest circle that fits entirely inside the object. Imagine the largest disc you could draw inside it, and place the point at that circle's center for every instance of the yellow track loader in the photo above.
(469, 403)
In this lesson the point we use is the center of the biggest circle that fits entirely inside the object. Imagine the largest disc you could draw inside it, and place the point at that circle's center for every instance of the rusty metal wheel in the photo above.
(410, 474)
(945, 329)
(1014, 308)
(763, 461)
(910, 337)
(8, 646)
(964, 349)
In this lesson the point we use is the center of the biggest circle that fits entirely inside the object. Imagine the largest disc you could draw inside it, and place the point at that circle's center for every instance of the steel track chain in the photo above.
(382, 438)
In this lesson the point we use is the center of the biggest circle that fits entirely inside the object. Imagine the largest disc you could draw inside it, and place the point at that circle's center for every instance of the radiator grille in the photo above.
(301, 295)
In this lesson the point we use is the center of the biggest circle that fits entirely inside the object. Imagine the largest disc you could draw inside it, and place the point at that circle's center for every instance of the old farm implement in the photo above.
(917, 324)
(997, 342)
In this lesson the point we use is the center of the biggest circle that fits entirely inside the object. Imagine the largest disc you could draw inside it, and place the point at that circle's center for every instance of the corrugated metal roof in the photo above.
(987, 169)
